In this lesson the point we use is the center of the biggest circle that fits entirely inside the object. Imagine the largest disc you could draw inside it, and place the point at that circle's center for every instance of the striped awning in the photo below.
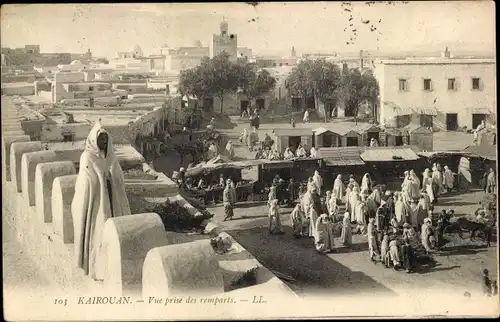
(427, 111)
(404, 111)
(480, 110)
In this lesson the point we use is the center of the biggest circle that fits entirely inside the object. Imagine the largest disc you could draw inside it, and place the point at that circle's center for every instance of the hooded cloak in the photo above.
(93, 203)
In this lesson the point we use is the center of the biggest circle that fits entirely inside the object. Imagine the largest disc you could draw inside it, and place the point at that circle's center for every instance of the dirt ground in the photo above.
(457, 267)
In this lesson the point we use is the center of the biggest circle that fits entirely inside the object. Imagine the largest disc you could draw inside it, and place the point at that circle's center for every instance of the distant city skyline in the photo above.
(268, 28)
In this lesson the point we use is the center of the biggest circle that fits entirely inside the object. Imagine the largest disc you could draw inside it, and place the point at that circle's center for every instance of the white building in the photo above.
(456, 91)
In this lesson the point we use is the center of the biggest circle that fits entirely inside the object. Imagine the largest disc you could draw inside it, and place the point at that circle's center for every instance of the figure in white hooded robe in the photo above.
(324, 240)
(427, 185)
(318, 181)
(448, 178)
(405, 180)
(361, 214)
(230, 150)
(338, 188)
(314, 152)
(301, 152)
(213, 151)
(413, 186)
(353, 200)
(346, 233)
(306, 116)
(353, 181)
(99, 195)
(366, 183)
(437, 178)
(299, 221)
(288, 154)
(333, 208)
(312, 216)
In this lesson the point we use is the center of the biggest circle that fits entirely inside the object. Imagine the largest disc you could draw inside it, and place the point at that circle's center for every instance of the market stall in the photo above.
(211, 191)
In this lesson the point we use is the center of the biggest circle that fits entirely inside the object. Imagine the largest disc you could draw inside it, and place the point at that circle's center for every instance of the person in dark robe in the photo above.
(292, 195)
(486, 283)
(494, 288)
(408, 255)
(281, 189)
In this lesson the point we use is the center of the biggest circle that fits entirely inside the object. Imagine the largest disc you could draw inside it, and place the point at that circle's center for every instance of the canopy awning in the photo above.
(488, 152)
(427, 111)
(344, 161)
(378, 155)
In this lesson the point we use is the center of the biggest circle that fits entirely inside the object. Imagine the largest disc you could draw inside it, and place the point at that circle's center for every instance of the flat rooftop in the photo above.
(122, 151)
(435, 61)
(17, 84)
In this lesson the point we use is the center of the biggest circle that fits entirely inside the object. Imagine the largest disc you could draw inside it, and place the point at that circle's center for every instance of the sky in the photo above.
(267, 28)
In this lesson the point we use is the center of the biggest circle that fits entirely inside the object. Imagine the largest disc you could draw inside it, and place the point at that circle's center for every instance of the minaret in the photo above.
(224, 27)
(294, 54)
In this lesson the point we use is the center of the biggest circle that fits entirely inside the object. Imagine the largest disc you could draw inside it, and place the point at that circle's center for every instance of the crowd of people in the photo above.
(397, 225)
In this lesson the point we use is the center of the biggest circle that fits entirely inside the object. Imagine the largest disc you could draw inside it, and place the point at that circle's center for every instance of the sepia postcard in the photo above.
(249, 160)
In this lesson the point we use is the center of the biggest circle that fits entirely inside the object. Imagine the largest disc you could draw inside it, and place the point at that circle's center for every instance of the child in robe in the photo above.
(408, 255)
(298, 222)
(372, 240)
(384, 248)
(274, 218)
(324, 235)
(394, 252)
(346, 234)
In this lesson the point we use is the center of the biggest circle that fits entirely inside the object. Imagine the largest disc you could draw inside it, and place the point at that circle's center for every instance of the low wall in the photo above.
(46, 230)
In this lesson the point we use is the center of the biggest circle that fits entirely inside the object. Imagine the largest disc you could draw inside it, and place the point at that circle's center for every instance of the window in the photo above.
(427, 84)
(475, 83)
(451, 84)
(91, 88)
(403, 85)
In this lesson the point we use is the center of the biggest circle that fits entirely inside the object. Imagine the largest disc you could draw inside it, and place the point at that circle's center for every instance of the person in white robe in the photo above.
(426, 233)
(99, 195)
(306, 116)
(314, 152)
(333, 208)
(361, 214)
(353, 181)
(384, 249)
(274, 218)
(327, 201)
(479, 128)
(306, 201)
(230, 150)
(394, 252)
(312, 216)
(437, 178)
(398, 208)
(310, 183)
(376, 196)
(366, 183)
(405, 180)
(244, 137)
(271, 195)
(413, 186)
(338, 188)
(301, 152)
(288, 154)
(318, 181)
(213, 151)
(299, 221)
(324, 240)
(427, 185)
(353, 200)
(372, 240)
(346, 233)
(424, 201)
(448, 178)
(373, 143)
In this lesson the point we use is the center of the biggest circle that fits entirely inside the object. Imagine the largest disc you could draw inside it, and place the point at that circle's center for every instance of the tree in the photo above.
(219, 76)
(318, 78)
(370, 89)
(259, 83)
(224, 77)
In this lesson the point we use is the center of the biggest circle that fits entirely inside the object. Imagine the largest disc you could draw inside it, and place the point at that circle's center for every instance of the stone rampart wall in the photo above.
(37, 199)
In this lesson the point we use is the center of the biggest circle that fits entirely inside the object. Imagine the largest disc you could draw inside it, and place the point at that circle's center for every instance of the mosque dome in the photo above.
(137, 51)
(76, 62)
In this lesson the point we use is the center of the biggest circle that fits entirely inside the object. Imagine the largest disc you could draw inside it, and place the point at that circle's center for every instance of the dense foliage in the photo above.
(219, 76)
(178, 218)
(325, 81)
